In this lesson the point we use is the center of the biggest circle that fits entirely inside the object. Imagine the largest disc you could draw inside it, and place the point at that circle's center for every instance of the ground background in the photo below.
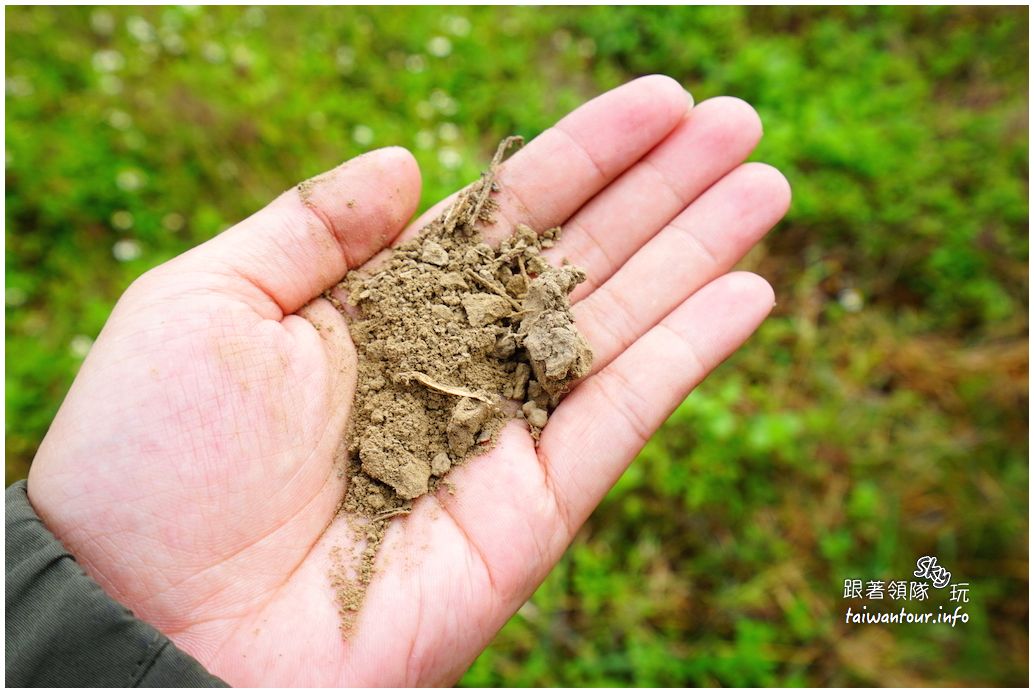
(880, 415)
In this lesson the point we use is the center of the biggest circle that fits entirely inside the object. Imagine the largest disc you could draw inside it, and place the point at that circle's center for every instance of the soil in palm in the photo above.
(454, 338)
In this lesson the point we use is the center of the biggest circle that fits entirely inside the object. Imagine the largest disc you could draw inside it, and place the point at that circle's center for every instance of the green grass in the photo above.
(879, 416)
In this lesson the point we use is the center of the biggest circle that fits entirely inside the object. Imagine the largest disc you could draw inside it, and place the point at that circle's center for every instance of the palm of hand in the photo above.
(191, 469)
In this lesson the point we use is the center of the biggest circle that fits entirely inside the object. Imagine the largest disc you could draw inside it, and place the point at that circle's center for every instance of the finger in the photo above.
(321, 334)
(605, 421)
(333, 338)
(702, 243)
(710, 141)
(306, 239)
(553, 175)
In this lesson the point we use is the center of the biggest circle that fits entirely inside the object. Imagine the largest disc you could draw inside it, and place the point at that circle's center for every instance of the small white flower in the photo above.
(129, 179)
(424, 109)
(561, 39)
(449, 158)
(362, 135)
(140, 29)
(120, 120)
(213, 52)
(80, 346)
(173, 221)
(425, 139)
(18, 86)
(126, 250)
(110, 84)
(851, 300)
(586, 48)
(241, 56)
(173, 43)
(456, 25)
(529, 611)
(416, 63)
(254, 17)
(448, 132)
(108, 61)
(102, 22)
(122, 220)
(345, 59)
(443, 103)
(15, 296)
(439, 46)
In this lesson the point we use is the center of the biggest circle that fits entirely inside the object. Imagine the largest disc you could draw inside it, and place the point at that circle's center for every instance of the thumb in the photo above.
(309, 237)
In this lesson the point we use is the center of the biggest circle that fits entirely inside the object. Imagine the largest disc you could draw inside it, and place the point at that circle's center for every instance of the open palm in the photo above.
(191, 469)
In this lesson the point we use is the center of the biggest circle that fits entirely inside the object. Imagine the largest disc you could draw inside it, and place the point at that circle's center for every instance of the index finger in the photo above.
(548, 180)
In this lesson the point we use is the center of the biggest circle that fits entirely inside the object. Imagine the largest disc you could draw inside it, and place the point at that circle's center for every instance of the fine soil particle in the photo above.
(454, 337)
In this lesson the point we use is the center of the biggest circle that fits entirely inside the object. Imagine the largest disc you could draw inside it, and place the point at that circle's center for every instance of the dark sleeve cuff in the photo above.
(62, 629)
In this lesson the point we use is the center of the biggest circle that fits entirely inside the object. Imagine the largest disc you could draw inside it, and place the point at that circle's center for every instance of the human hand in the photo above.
(191, 468)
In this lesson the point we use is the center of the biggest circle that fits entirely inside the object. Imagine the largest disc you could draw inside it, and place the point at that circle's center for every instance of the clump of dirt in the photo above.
(454, 338)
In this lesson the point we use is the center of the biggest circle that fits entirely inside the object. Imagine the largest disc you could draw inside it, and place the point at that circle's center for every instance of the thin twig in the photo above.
(493, 287)
(391, 513)
(452, 216)
(428, 381)
(478, 192)
(488, 177)
(524, 270)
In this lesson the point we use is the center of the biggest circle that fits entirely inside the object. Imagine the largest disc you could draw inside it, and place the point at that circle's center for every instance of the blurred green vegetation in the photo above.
(880, 415)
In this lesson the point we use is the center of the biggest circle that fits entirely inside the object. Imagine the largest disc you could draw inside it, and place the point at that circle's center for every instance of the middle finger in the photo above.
(711, 140)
